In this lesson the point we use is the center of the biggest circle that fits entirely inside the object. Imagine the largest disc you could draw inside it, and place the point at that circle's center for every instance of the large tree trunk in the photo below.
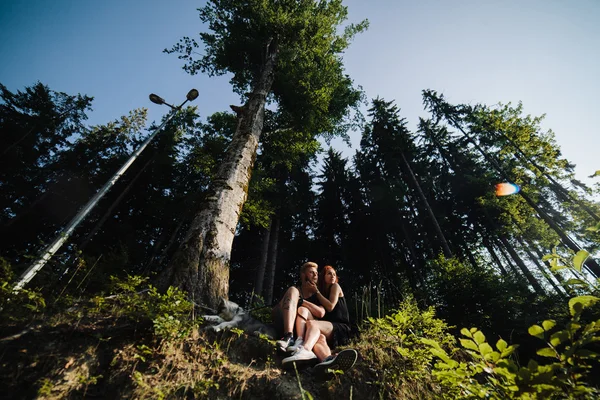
(272, 258)
(201, 264)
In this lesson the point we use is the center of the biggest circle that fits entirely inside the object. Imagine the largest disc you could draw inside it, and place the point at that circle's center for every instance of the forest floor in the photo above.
(69, 356)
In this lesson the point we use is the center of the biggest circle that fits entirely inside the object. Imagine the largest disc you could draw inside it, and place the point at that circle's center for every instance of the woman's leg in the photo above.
(314, 329)
(321, 348)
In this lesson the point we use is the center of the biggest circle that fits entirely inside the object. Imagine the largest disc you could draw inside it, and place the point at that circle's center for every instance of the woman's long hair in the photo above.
(322, 285)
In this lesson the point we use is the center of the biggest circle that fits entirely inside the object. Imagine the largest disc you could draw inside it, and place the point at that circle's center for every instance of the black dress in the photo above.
(340, 319)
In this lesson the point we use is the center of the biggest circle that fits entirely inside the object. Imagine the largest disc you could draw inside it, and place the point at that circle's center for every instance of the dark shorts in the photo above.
(341, 334)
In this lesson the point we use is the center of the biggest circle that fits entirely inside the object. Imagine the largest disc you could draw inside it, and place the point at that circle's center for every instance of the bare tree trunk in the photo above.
(425, 202)
(509, 262)
(490, 250)
(201, 264)
(272, 258)
(169, 244)
(530, 278)
(262, 264)
(539, 266)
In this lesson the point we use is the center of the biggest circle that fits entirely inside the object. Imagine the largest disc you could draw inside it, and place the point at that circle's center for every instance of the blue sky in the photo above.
(545, 53)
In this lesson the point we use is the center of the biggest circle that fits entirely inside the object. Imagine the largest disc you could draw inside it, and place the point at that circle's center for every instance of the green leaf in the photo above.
(485, 349)
(501, 345)
(537, 331)
(546, 352)
(525, 374)
(579, 259)
(509, 350)
(558, 268)
(494, 356)
(577, 304)
(594, 228)
(558, 337)
(431, 342)
(576, 282)
(597, 173)
(548, 324)
(466, 332)
(468, 344)
(549, 257)
(479, 337)
(532, 365)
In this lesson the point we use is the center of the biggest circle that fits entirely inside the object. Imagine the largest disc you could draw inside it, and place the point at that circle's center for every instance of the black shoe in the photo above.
(285, 342)
(342, 362)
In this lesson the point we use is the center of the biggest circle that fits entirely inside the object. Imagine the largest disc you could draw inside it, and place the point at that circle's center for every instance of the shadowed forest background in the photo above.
(411, 221)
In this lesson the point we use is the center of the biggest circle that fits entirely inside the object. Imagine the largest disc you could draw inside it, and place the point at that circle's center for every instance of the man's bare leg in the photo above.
(321, 348)
(289, 306)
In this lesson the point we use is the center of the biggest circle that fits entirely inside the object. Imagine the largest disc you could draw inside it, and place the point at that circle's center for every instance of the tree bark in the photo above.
(201, 264)
(272, 258)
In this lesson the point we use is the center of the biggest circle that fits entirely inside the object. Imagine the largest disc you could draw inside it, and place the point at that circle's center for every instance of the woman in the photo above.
(333, 330)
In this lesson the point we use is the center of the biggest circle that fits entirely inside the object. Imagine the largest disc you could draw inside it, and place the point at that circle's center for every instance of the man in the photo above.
(298, 302)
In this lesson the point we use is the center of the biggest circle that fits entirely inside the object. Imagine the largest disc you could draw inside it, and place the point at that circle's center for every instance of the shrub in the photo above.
(17, 306)
(169, 312)
(565, 362)
(398, 358)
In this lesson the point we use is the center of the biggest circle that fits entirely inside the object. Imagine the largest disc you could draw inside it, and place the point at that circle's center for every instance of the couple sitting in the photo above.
(318, 312)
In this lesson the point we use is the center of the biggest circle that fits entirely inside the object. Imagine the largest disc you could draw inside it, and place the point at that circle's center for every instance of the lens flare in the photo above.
(506, 189)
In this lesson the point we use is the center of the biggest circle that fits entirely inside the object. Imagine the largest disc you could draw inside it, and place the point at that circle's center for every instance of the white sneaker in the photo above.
(294, 348)
(285, 342)
(300, 357)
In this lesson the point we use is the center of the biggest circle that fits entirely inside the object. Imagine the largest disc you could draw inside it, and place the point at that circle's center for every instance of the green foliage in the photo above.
(20, 306)
(169, 311)
(306, 36)
(479, 297)
(45, 388)
(492, 373)
(396, 348)
(567, 360)
(260, 310)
